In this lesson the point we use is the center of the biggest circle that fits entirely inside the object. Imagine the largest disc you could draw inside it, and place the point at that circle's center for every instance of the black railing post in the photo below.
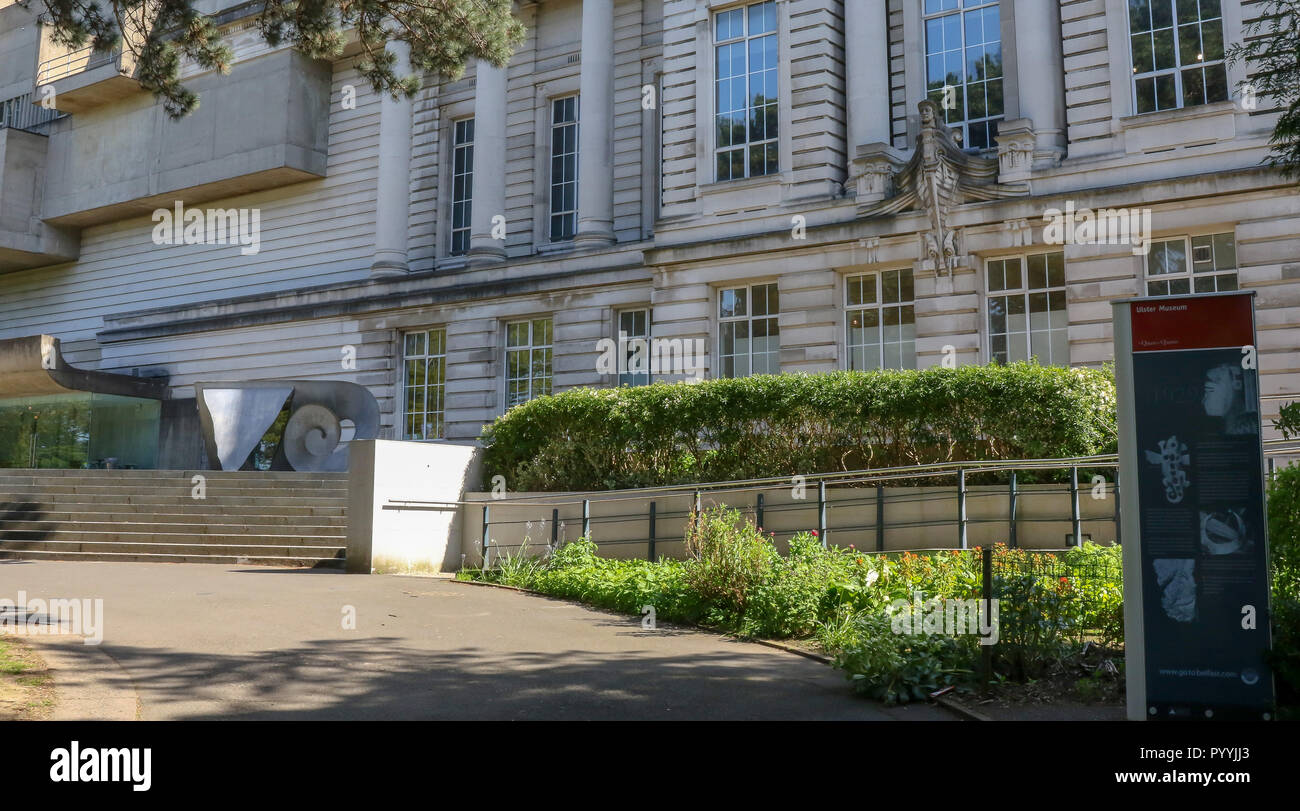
(880, 518)
(487, 523)
(1118, 531)
(651, 554)
(586, 518)
(961, 508)
(1012, 498)
(758, 512)
(821, 512)
(986, 651)
(1076, 524)
(555, 527)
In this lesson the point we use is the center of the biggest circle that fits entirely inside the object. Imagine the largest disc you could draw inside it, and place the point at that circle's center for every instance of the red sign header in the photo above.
(1196, 322)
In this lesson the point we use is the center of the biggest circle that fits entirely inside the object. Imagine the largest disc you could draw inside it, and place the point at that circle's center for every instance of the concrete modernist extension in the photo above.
(802, 185)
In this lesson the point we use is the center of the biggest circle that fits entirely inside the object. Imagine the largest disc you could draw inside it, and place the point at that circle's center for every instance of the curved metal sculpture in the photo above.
(235, 417)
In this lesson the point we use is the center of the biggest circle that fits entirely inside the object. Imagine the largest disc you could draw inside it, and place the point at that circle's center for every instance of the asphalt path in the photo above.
(195, 641)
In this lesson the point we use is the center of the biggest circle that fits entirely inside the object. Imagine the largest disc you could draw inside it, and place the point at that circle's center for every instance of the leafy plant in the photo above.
(729, 559)
(890, 667)
(1268, 49)
(1284, 552)
(782, 425)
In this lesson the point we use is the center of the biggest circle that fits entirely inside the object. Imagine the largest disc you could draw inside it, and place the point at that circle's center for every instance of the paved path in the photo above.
(196, 641)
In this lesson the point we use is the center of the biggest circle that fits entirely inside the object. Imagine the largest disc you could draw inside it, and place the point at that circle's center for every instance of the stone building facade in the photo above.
(789, 185)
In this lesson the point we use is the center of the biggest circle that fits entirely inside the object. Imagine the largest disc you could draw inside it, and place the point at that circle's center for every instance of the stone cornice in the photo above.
(376, 295)
(992, 212)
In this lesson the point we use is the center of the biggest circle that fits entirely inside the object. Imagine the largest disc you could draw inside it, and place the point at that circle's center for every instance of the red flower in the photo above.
(851, 546)
(814, 533)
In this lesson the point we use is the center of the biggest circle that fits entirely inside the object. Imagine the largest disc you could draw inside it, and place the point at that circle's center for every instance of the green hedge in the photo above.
(1284, 552)
(783, 425)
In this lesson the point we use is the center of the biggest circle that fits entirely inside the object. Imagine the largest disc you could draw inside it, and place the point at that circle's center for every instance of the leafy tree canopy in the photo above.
(1271, 52)
(443, 35)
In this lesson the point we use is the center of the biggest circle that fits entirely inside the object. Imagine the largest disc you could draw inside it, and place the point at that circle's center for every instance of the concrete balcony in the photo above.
(85, 79)
(25, 241)
(264, 125)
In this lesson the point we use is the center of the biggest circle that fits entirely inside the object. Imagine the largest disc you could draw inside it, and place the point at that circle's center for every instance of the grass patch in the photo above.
(26, 688)
(10, 664)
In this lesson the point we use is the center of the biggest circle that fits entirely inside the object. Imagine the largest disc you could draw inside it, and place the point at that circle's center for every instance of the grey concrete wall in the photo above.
(25, 241)
(263, 125)
(19, 44)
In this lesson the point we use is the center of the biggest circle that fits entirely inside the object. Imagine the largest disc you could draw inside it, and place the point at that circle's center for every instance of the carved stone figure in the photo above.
(939, 178)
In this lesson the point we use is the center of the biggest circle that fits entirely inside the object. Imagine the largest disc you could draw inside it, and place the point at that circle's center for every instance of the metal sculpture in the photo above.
(236, 416)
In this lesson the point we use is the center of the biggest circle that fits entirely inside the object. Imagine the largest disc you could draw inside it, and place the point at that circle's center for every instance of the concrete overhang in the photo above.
(25, 241)
(34, 365)
(263, 126)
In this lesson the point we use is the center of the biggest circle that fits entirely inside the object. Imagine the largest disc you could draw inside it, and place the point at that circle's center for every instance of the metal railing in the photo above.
(21, 114)
(74, 62)
(874, 500)
(870, 482)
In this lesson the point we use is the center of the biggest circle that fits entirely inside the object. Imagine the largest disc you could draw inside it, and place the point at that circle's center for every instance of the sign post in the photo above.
(1196, 613)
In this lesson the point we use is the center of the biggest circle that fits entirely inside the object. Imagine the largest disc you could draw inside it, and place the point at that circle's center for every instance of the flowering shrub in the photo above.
(729, 559)
(1050, 606)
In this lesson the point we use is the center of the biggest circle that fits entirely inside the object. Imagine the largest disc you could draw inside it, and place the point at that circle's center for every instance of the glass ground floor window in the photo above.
(424, 381)
(79, 430)
(1026, 309)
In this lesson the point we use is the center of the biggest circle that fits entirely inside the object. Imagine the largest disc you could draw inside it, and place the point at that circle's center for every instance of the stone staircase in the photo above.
(267, 518)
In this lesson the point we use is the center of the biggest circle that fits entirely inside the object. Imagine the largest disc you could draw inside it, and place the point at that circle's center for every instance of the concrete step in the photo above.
(273, 500)
(282, 519)
(205, 546)
(171, 475)
(146, 557)
(126, 536)
(134, 513)
(172, 489)
(213, 527)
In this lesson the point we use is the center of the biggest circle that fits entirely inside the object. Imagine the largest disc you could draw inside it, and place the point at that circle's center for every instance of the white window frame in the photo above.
(551, 210)
(1038, 342)
(457, 147)
(772, 142)
(876, 279)
(625, 348)
(1176, 72)
(748, 318)
(961, 9)
(532, 346)
(1211, 240)
(425, 356)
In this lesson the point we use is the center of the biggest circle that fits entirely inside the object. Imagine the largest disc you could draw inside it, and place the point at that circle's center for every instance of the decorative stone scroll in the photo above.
(236, 416)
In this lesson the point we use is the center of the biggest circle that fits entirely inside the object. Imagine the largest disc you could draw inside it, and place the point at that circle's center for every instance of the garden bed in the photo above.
(847, 605)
